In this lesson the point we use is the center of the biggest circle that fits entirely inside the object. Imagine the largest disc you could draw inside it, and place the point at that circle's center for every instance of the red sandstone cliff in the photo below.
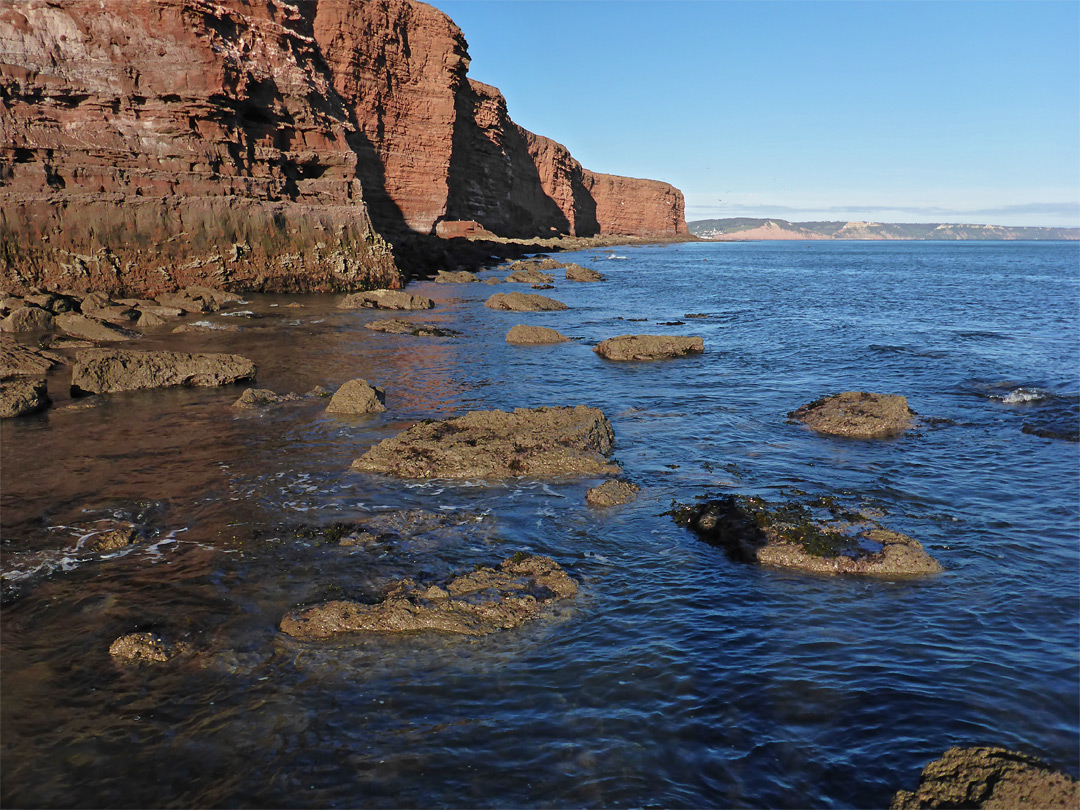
(146, 144)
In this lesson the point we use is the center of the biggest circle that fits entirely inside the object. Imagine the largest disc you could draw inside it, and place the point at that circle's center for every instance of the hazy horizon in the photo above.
(965, 112)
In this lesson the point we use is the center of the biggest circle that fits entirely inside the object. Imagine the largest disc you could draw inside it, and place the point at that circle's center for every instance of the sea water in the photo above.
(677, 677)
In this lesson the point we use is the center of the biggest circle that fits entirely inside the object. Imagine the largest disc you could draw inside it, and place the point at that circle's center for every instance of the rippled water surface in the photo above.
(677, 677)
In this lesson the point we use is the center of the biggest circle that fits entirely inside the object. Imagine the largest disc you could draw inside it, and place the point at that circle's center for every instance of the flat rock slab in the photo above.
(524, 302)
(17, 359)
(816, 537)
(456, 277)
(857, 415)
(101, 371)
(986, 777)
(477, 604)
(385, 299)
(356, 397)
(20, 396)
(396, 326)
(540, 442)
(575, 272)
(648, 347)
(522, 335)
(612, 493)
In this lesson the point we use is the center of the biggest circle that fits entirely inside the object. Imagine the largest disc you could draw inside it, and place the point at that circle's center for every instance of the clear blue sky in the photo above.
(886, 111)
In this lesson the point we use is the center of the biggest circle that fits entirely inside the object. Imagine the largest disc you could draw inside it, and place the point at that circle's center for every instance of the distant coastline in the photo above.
(739, 229)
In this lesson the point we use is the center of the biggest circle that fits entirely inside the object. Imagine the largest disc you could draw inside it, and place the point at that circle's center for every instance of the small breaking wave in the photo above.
(1018, 396)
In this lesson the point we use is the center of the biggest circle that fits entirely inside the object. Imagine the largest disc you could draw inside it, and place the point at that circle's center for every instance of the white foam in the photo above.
(1021, 395)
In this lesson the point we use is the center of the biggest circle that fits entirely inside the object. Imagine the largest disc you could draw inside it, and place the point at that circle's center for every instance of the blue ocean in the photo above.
(677, 677)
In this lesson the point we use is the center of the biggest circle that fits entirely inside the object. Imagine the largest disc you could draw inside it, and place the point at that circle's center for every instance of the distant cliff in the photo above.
(744, 228)
(277, 145)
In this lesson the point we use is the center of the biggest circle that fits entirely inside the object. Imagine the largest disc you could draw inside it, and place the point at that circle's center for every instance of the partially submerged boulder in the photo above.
(496, 444)
(355, 397)
(456, 277)
(817, 537)
(385, 299)
(529, 275)
(612, 493)
(253, 398)
(575, 272)
(100, 371)
(648, 347)
(397, 326)
(857, 415)
(28, 319)
(522, 335)
(145, 648)
(92, 329)
(113, 539)
(986, 777)
(524, 302)
(20, 396)
(476, 604)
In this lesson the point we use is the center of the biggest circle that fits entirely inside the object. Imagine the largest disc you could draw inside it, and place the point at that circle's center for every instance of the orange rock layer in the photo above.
(150, 144)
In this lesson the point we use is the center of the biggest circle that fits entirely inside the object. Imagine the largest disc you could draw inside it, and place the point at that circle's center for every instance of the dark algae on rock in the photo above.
(817, 536)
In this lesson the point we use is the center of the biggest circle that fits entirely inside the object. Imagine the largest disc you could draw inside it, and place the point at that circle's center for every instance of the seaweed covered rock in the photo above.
(540, 442)
(20, 396)
(524, 302)
(985, 777)
(476, 604)
(397, 326)
(99, 371)
(529, 275)
(817, 537)
(612, 493)
(856, 415)
(648, 347)
(522, 335)
(355, 397)
(386, 299)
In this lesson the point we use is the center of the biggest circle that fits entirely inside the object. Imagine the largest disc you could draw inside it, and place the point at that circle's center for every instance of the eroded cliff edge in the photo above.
(151, 144)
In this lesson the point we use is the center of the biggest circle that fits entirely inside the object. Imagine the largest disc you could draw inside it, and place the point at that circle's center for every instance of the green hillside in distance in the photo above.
(743, 228)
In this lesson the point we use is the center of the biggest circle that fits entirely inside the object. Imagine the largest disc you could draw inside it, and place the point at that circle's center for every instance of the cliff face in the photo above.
(153, 143)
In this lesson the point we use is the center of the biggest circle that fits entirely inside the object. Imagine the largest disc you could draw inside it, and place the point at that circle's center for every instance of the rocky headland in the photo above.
(148, 146)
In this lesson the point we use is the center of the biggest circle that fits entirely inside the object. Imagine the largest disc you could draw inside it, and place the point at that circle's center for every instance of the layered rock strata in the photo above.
(152, 144)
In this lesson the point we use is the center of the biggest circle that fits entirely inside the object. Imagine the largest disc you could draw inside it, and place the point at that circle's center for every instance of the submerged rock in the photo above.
(575, 272)
(456, 277)
(475, 604)
(145, 647)
(355, 397)
(385, 299)
(113, 539)
(985, 777)
(496, 444)
(856, 415)
(524, 302)
(20, 396)
(612, 493)
(261, 397)
(648, 347)
(818, 537)
(534, 335)
(100, 371)
(396, 326)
